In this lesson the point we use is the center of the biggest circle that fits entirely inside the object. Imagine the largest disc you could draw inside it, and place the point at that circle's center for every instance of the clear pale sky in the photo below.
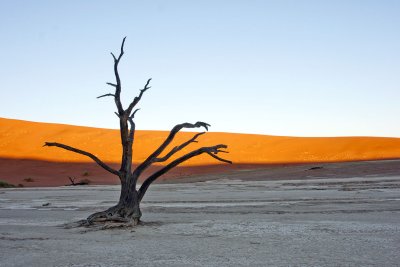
(299, 68)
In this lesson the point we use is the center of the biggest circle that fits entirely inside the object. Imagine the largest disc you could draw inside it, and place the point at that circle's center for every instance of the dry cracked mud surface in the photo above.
(228, 222)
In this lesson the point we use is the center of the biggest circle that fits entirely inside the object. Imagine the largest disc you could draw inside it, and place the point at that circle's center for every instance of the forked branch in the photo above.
(153, 157)
(212, 151)
(118, 86)
(79, 151)
(178, 148)
(137, 99)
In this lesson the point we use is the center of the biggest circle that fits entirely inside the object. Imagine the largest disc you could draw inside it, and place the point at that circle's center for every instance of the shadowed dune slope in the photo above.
(24, 140)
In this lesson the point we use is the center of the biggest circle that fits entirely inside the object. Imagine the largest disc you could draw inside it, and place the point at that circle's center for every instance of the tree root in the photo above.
(114, 217)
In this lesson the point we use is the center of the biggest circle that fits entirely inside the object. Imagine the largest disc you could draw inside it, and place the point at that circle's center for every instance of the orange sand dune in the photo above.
(24, 140)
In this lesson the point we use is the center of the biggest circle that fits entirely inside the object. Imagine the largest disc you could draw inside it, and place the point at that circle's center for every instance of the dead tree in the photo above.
(81, 182)
(72, 180)
(127, 211)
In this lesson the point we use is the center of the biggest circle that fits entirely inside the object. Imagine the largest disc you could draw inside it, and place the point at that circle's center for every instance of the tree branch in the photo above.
(178, 148)
(72, 180)
(133, 114)
(106, 95)
(117, 96)
(112, 84)
(219, 158)
(122, 48)
(137, 99)
(212, 151)
(131, 130)
(93, 157)
(112, 54)
(145, 164)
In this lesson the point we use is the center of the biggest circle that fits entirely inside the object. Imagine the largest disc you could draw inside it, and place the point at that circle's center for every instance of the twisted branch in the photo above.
(212, 151)
(153, 157)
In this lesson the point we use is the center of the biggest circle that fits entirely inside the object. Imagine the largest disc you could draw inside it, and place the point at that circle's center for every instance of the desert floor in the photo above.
(319, 220)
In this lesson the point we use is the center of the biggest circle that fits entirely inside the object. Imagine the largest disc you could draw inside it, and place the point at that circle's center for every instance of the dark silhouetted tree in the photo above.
(127, 211)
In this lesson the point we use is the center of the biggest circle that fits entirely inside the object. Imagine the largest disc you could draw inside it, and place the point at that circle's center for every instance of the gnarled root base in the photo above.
(114, 217)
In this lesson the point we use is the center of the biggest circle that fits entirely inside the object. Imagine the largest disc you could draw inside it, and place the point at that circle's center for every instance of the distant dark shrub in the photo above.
(85, 173)
(4, 184)
(29, 180)
(84, 182)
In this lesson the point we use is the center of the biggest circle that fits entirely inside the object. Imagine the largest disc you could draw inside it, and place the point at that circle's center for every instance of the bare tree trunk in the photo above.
(129, 200)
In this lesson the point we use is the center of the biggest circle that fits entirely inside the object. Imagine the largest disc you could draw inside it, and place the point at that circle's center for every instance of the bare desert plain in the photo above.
(286, 201)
